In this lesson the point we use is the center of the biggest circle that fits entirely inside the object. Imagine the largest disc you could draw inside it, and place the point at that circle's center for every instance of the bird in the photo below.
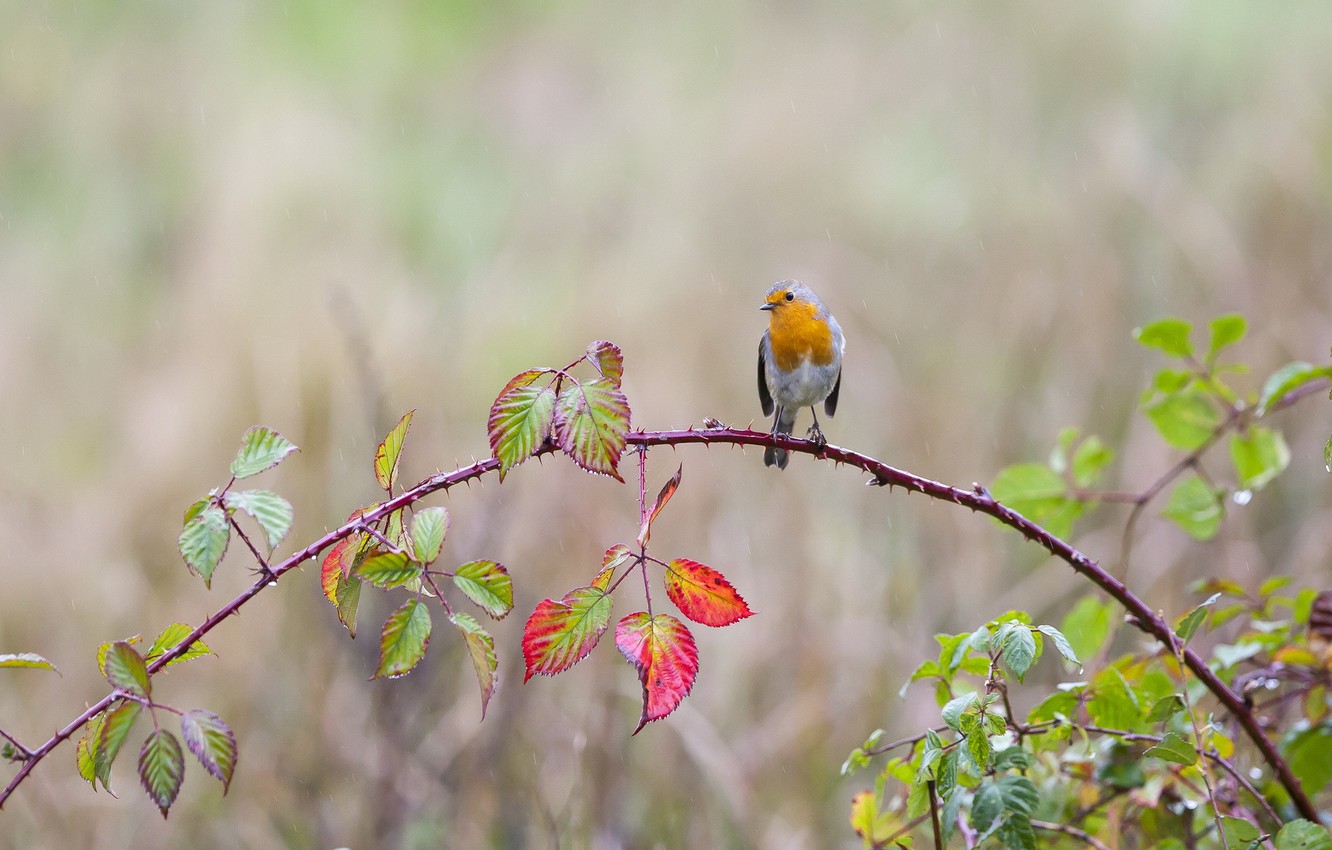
(799, 362)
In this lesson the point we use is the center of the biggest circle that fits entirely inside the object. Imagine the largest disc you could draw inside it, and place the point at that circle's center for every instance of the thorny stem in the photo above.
(976, 499)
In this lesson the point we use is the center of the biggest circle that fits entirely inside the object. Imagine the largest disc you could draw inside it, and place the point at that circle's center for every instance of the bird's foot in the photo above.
(817, 436)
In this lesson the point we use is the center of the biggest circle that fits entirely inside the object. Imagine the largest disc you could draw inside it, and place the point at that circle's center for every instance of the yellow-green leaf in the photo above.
(389, 452)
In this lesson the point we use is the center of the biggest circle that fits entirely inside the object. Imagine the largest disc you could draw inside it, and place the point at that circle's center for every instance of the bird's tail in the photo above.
(782, 424)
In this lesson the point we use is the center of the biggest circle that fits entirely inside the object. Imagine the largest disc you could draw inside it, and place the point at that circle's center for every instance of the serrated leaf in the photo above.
(1170, 336)
(1016, 833)
(387, 569)
(1189, 624)
(1061, 643)
(1087, 625)
(403, 640)
(704, 595)
(203, 542)
(1185, 420)
(212, 742)
(874, 826)
(979, 749)
(1165, 708)
(1303, 835)
(1259, 455)
(1196, 508)
(1287, 379)
(103, 649)
(261, 448)
(1173, 748)
(487, 583)
(29, 660)
(340, 561)
(1112, 703)
(561, 633)
(115, 727)
(591, 421)
(607, 359)
(84, 751)
(1017, 647)
(161, 768)
(1238, 832)
(193, 510)
(615, 557)
(481, 649)
(271, 511)
(389, 452)
(349, 598)
(521, 419)
(986, 806)
(1018, 793)
(126, 671)
(663, 652)
(169, 638)
(1225, 331)
(668, 490)
(954, 709)
(429, 527)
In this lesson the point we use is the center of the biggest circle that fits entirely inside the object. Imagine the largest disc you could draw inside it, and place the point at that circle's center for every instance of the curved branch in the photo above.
(977, 499)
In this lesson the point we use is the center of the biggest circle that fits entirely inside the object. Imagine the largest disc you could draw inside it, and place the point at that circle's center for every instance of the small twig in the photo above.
(1071, 831)
(23, 752)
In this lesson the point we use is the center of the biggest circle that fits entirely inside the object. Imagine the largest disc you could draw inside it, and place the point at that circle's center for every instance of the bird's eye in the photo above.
(790, 296)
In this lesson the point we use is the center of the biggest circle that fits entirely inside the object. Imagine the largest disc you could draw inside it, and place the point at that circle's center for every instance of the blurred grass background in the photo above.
(318, 215)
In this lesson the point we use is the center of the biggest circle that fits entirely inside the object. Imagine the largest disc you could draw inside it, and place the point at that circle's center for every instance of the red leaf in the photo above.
(662, 498)
(560, 634)
(666, 657)
(704, 595)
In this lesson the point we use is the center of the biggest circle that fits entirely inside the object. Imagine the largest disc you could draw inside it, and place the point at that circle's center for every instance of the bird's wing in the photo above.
(765, 397)
(830, 405)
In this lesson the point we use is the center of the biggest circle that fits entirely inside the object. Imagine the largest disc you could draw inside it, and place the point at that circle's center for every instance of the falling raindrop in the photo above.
(1242, 497)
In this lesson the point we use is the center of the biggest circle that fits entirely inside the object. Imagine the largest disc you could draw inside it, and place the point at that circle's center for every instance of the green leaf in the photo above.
(1170, 336)
(591, 421)
(1087, 626)
(428, 529)
(271, 511)
(1185, 420)
(169, 638)
(92, 732)
(1310, 756)
(193, 510)
(1259, 455)
(1168, 381)
(203, 542)
(161, 768)
(403, 640)
(1017, 647)
(978, 747)
(261, 448)
(389, 452)
(126, 671)
(30, 660)
(874, 826)
(1327, 455)
(986, 806)
(1173, 748)
(349, 599)
(212, 742)
(1039, 494)
(1016, 833)
(388, 569)
(1225, 331)
(1090, 460)
(1303, 835)
(1113, 703)
(1018, 793)
(520, 420)
(952, 712)
(1239, 832)
(1196, 508)
(1190, 622)
(1061, 643)
(481, 649)
(1165, 708)
(486, 583)
(111, 736)
(1282, 381)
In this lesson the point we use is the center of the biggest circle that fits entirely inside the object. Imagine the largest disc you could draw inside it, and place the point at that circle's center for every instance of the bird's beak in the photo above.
(767, 306)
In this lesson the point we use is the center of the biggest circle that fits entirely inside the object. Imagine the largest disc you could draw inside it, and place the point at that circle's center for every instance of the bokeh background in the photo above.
(316, 216)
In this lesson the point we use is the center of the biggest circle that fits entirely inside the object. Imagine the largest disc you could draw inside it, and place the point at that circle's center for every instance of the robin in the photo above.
(800, 361)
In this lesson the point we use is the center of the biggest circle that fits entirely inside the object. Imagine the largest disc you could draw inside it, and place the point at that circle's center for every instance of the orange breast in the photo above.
(797, 336)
